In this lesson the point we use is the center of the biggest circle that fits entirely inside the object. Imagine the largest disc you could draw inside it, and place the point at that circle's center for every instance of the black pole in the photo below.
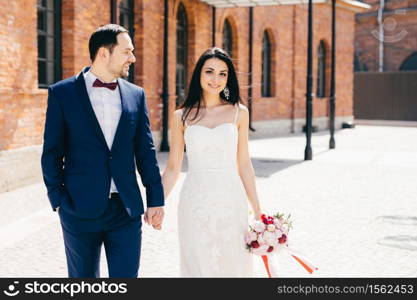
(213, 27)
(308, 154)
(165, 95)
(113, 11)
(332, 143)
(250, 67)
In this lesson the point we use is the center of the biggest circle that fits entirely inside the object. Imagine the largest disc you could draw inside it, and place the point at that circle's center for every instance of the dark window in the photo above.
(182, 51)
(49, 42)
(228, 38)
(126, 19)
(321, 71)
(410, 64)
(266, 66)
(358, 65)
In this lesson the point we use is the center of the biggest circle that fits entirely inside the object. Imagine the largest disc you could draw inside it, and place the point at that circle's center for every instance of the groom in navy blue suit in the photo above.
(97, 134)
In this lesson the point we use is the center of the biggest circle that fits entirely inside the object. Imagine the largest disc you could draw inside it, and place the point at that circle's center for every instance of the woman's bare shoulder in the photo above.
(178, 112)
(242, 108)
(178, 116)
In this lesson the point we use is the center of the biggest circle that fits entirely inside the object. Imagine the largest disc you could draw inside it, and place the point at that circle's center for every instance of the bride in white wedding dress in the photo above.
(213, 208)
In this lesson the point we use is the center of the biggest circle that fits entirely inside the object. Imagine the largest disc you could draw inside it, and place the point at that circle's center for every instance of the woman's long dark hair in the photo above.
(195, 91)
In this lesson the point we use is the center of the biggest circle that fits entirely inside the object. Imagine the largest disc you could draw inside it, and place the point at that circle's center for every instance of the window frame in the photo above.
(54, 38)
(266, 66)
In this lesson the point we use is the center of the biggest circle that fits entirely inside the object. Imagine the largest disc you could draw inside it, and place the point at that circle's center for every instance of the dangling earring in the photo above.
(226, 93)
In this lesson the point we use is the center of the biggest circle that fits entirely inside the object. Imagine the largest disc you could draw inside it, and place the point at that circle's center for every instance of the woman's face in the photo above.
(214, 74)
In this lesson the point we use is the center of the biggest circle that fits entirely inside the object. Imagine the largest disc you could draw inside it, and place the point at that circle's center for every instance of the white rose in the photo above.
(250, 236)
(261, 239)
(271, 227)
(278, 223)
(247, 238)
(259, 226)
(269, 238)
(278, 233)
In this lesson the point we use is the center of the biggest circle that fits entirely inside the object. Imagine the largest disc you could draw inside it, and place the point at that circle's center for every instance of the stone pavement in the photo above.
(354, 210)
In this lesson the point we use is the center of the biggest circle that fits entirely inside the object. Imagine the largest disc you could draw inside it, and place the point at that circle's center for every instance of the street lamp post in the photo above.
(250, 67)
(165, 94)
(308, 153)
(332, 143)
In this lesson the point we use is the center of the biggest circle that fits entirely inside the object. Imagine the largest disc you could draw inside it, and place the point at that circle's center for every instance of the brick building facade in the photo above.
(23, 97)
(397, 45)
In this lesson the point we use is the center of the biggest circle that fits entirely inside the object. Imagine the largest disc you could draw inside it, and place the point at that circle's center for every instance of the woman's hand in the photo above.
(258, 215)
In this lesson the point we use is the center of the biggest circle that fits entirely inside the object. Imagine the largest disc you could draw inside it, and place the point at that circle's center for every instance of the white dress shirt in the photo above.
(107, 108)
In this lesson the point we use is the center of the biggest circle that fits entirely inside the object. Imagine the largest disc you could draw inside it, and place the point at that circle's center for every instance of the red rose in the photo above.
(270, 249)
(267, 219)
(282, 239)
(254, 244)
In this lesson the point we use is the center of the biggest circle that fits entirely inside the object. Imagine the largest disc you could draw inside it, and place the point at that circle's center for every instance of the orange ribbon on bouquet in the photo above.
(265, 259)
(300, 258)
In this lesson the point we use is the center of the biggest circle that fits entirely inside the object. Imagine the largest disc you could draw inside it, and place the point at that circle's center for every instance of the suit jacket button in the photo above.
(111, 157)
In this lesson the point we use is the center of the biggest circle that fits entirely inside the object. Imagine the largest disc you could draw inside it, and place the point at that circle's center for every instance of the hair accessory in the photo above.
(226, 92)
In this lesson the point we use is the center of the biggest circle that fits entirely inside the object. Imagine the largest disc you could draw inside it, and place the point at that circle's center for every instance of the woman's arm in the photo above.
(176, 154)
(246, 172)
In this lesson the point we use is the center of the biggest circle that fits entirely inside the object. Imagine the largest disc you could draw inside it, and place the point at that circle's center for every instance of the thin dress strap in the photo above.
(185, 121)
(236, 114)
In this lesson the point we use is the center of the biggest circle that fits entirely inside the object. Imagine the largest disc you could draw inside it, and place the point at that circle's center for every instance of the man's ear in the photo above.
(103, 52)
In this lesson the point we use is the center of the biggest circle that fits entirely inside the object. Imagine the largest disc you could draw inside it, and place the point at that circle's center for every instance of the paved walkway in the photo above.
(354, 210)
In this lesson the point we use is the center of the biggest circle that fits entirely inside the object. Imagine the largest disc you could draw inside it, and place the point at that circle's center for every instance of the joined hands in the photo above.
(154, 216)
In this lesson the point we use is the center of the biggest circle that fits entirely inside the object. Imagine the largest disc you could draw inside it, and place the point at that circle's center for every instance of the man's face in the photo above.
(121, 57)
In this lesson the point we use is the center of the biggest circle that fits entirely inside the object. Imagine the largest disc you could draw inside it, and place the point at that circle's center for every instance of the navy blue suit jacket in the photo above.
(77, 164)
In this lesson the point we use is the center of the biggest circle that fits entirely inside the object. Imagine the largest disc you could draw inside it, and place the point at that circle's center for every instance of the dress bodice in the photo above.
(212, 148)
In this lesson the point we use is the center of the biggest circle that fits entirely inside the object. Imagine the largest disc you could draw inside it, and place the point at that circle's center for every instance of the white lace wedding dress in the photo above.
(213, 206)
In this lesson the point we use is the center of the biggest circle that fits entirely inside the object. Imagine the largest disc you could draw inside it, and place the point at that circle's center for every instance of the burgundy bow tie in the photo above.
(111, 85)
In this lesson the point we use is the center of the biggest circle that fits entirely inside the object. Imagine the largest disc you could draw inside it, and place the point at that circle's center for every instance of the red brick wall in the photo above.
(22, 104)
(79, 20)
(397, 47)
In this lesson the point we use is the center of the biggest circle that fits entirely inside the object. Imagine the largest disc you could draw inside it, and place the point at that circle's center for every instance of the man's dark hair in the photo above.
(104, 36)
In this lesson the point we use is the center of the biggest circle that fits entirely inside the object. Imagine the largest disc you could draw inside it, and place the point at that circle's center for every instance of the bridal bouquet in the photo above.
(270, 235)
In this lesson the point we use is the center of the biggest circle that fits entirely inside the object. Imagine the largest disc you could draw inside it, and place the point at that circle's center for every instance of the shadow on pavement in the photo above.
(292, 135)
(404, 242)
(399, 220)
(265, 167)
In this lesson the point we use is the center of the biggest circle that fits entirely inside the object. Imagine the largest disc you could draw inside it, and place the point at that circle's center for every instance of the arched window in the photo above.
(321, 71)
(182, 51)
(49, 42)
(228, 38)
(410, 63)
(266, 65)
(126, 19)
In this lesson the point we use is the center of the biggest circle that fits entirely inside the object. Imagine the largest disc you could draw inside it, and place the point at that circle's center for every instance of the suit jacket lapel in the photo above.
(121, 126)
(85, 101)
